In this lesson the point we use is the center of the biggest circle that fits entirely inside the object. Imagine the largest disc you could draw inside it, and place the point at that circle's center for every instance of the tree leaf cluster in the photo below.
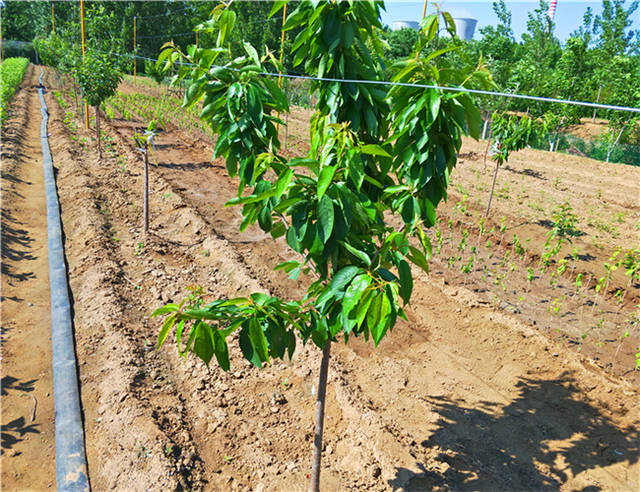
(375, 153)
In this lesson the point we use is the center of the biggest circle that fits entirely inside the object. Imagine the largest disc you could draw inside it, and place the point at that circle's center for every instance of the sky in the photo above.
(568, 13)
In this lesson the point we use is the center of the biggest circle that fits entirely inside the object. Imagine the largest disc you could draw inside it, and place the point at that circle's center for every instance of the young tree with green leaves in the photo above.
(373, 152)
(511, 133)
(99, 80)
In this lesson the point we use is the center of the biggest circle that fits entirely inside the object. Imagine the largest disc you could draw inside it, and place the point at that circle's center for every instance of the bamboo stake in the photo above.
(82, 31)
(134, 47)
(284, 19)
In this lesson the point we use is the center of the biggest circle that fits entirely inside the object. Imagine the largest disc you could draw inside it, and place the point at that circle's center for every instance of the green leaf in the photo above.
(324, 180)
(260, 299)
(430, 26)
(251, 51)
(292, 239)
(343, 277)
(406, 281)
(357, 253)
(378, 317)
(258, 340)
(166, 326)
(248, 350)
(409, 210)
(203, 344)
(221, 350)
(277, 6)
(351, 299)
(168, 308)
(374, 150)
(418, 258)
(287, 266)
(325, 218)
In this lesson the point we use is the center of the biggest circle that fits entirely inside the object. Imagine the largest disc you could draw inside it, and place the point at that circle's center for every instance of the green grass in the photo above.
(12, 73)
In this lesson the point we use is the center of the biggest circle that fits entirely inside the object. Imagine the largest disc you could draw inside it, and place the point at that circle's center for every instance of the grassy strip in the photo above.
(12, 73)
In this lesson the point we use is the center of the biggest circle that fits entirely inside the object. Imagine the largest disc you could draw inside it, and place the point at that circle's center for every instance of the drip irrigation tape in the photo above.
(71, 464)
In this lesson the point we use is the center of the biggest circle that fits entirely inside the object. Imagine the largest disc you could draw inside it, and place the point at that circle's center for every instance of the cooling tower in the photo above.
(465, 27)
(397, 25)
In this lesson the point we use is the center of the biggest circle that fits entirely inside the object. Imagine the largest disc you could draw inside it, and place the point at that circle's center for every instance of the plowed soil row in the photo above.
(28, 453)
(462, 397)
(603, 325)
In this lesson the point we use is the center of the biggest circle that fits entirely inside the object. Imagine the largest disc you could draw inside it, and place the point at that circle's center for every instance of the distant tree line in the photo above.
(600, 61)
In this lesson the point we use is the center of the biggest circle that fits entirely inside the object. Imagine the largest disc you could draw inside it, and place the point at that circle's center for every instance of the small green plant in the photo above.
(139, 248)
(511, 133)
(630, 261)
(530, 274)
(578, 282)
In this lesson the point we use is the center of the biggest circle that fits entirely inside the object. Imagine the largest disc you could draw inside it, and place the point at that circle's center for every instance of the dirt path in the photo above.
(28, 441)
(462, 397)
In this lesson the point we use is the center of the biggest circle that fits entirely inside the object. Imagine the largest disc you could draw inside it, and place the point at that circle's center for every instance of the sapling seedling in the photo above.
(99, 80)
(511, 133)
(330, 206)
(144, 144)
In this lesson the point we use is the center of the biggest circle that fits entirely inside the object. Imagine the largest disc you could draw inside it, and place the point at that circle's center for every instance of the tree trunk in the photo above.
(75, 94)
(596, 109)
(314, 485)
(146, 192)
(611, 147)
(286, 131)
(486, 153)
(98, 131)
(493, 185)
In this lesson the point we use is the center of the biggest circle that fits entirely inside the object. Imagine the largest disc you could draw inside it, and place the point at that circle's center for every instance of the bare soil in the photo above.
(28, 452)
(470, 394)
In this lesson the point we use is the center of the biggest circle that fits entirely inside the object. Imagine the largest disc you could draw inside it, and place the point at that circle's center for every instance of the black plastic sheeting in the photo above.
(71, 461)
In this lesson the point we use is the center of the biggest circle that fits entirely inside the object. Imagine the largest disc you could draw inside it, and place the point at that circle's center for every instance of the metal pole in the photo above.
(86, 106)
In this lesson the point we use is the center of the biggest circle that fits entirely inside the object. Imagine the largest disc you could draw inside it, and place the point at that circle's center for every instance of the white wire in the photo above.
(440, 87)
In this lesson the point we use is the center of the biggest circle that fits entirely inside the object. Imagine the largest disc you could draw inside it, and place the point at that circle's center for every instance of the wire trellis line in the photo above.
(438, 87)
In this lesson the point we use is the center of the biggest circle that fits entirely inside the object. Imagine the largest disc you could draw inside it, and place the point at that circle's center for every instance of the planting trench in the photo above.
(464, 396)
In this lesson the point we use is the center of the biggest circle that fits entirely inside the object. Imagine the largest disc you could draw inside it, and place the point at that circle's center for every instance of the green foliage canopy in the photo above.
(372, 153)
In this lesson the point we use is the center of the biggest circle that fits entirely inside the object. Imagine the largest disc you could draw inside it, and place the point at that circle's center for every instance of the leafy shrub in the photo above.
(12, 73)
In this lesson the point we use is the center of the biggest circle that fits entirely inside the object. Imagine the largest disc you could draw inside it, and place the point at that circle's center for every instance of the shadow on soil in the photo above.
(14, 432)
(16, 246)
(537, 442)
(526, 172)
